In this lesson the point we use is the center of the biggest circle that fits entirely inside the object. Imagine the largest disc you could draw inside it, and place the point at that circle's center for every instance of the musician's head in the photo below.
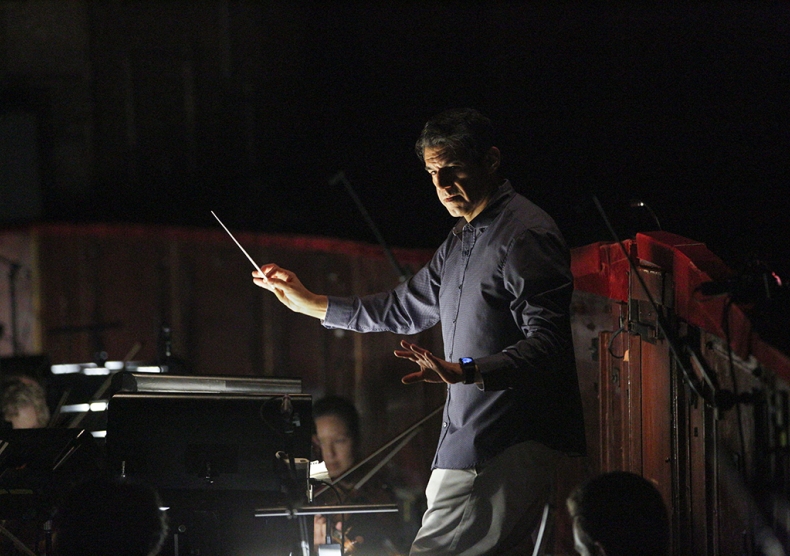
(337, 433)
(619, 514)
(458, 152)
(109, 518)
(24, 403)
(467, 133)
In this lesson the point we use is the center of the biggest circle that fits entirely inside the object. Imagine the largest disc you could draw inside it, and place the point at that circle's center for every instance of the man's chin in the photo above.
(455, 210)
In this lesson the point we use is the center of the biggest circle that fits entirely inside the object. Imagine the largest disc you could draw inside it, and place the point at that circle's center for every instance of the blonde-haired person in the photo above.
(24, 404)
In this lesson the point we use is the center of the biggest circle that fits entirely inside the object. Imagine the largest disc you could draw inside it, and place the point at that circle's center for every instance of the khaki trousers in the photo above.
(490, 509)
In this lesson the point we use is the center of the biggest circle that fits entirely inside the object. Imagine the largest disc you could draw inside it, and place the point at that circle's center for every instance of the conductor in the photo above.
(501, 287)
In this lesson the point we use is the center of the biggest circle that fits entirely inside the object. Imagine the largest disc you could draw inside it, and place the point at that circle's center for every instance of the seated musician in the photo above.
(338, 437)
(24, 403)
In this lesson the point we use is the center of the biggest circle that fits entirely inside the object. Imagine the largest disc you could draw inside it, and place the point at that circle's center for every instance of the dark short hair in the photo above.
(106, 517)
(343, 409)
(623, 512)
(465, 131)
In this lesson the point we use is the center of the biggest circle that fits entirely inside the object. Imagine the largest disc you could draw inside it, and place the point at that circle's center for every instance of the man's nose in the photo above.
(442, 180)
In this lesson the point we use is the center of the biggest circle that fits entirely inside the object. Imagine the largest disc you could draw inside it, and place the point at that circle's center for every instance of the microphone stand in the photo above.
(340, 177)
(13, 269)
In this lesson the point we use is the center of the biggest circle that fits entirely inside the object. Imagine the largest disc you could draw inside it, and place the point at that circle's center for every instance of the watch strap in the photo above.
(469, 368)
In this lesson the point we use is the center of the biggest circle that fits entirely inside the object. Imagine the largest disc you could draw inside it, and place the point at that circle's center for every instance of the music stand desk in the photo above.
(282, 511)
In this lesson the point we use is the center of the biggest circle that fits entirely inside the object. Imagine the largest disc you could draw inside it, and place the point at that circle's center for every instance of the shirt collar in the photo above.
(496, 204)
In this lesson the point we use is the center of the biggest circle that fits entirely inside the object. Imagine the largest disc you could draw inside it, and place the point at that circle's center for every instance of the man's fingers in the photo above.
(272, 281)
(414, 352)
(429, 371)
(272, 272)
(412, 347)
(267, 284)
(264, 270)
(413, 378)
(423, 375)
(269, 276)
(280, 295)
(405, 355)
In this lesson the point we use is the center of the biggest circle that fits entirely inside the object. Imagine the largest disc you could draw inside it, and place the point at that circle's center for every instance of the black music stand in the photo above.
(38, 466)
(213, 458)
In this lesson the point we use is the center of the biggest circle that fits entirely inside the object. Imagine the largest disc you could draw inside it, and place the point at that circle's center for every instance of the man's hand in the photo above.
(432, 368)
(290, 291)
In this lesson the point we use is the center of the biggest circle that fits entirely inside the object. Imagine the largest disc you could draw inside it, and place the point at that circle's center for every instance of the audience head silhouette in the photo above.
(619, 514)
(109, 518)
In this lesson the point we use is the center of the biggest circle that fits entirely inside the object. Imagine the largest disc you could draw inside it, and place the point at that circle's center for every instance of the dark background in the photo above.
(162, 111)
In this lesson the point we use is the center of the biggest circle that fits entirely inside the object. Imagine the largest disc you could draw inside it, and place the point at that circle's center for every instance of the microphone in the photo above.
(638, 203)
(286, 408)
(289, 419)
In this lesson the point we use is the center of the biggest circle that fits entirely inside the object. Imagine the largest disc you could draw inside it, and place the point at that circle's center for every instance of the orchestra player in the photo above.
(337, 434)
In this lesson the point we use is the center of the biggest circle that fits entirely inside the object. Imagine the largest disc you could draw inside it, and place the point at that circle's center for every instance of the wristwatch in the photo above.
(469, 368)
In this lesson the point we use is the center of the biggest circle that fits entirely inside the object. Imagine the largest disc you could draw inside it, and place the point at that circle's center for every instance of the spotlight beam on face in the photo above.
(236, 242)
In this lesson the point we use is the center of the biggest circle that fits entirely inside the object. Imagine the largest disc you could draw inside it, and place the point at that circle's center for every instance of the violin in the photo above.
(337, 535)
(345, 539)
(350, 543)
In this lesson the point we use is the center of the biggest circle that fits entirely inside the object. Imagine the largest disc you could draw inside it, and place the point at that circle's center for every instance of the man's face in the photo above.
(462, 186)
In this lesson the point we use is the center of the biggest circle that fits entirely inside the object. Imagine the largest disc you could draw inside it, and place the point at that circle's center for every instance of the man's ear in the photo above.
(492, 160)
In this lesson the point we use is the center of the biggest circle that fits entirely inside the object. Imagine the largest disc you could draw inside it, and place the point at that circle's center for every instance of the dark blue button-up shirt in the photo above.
(501, 286)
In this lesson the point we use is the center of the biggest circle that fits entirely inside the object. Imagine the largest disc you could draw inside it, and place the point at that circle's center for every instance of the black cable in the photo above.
(339, 501)
(738, 412)
(611, 341)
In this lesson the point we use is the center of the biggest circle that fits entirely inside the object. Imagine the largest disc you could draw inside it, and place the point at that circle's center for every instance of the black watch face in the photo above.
(466, 360)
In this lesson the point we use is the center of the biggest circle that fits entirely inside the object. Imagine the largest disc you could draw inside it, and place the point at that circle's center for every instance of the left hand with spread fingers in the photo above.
(432, 369)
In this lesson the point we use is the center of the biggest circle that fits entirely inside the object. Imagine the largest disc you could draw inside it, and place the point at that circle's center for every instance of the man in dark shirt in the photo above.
(501, 286)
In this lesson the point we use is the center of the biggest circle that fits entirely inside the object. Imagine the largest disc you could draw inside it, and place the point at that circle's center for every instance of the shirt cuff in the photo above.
(490, 368)
(336, 312)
